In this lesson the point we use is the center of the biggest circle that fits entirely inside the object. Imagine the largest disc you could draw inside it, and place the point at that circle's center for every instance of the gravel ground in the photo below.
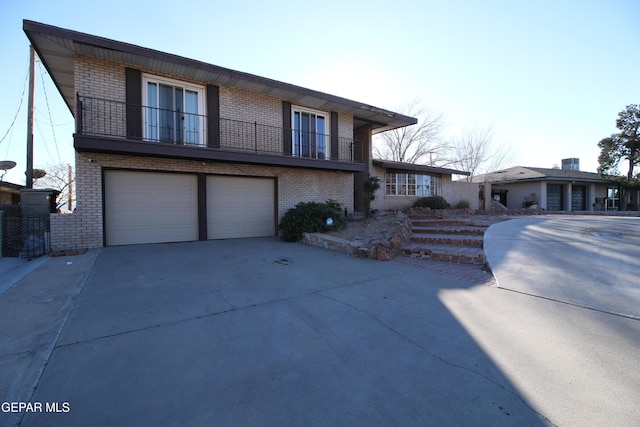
(369, 229)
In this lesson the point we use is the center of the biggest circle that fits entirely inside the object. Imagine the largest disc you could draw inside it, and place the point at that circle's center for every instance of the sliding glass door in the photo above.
(172, 113)
(309, 134)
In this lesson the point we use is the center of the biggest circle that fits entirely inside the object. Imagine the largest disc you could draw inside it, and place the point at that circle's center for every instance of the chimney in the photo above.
(572, 164)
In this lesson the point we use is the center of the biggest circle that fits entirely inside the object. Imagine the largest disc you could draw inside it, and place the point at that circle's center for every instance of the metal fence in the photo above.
(25, 236)
(101, 117)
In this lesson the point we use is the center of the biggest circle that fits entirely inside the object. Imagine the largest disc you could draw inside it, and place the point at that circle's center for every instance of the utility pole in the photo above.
(32, 80)
(70, 203)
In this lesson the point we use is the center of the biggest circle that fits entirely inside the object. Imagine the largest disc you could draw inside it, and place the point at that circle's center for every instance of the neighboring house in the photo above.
(401, 184)
(171, 149)
(566, 189)
(10, 193)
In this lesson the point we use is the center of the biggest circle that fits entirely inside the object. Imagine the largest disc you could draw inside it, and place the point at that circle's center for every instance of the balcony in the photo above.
(116, 127)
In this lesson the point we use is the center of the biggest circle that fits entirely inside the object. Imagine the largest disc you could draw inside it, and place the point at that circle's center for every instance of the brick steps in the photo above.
(450, 229)
(421, 222)
(455, 240)
(450, 239)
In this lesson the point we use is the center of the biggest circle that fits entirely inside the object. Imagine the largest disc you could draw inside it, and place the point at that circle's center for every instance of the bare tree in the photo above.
(475, 150)
(59, 177)
(419, 143)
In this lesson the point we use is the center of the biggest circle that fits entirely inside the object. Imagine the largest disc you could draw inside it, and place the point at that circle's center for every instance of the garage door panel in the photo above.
(240, 207)
(146, 207)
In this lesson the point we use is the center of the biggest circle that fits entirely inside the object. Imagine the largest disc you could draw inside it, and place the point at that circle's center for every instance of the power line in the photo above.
(55, 140)
(24, 88)
(46, 146)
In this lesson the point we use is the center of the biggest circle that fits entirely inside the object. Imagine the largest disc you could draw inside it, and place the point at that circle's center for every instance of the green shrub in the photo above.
(310, 217)
(433, 202)
(463, 204)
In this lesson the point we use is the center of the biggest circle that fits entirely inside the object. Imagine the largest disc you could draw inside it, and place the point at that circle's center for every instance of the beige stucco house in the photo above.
(566, 189)
(171, 149)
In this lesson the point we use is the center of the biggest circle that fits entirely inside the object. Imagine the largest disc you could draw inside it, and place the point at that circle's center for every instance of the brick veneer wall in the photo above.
(106, 79)
(294, 185)
(98, 78)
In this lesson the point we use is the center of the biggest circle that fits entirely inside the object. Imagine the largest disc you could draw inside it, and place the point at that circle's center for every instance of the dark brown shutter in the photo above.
(133, 94)
(213, 116)
(335, 149)
(286, 128)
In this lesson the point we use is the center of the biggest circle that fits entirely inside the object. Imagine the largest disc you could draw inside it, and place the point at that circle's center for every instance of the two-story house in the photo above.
(172, 149)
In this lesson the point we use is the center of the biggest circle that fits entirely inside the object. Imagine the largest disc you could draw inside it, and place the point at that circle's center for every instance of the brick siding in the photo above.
(105, 79)
(99, 78)
(294, 185)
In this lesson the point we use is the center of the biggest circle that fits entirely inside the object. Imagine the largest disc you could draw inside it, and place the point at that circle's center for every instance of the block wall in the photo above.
(66, 232)
(457, 191)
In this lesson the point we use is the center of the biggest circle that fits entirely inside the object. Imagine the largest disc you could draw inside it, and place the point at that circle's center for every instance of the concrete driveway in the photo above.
(261, 332)
(589, 261)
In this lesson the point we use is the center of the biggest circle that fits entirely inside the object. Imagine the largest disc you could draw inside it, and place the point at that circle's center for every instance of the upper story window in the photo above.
(410, 184)
(310, 133)
(173, 111)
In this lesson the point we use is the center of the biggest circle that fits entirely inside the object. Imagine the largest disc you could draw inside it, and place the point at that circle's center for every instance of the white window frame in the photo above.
(404, 185)
(199, 89)
(317, 154)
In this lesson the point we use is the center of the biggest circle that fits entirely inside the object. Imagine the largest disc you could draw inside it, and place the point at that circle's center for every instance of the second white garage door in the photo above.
(240, 207)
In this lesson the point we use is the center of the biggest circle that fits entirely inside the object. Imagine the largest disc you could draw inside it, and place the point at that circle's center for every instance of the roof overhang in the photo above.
(9, 187)
(58, 47)
(520, 174)
(411, 167)
(576, 181)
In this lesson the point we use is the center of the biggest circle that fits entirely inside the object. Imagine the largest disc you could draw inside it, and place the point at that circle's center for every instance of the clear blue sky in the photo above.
(548, 76)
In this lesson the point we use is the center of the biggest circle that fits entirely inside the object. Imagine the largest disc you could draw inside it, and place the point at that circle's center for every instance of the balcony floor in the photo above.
(99, 144)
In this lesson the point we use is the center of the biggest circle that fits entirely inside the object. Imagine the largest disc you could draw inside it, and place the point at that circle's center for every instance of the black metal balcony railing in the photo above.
(100, 117)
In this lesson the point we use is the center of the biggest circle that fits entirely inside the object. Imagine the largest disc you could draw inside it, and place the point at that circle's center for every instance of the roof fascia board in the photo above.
(418, 168)
(293, 90)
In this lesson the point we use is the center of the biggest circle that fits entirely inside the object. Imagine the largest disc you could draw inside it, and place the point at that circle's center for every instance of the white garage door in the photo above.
(240, 207)
(144, 207)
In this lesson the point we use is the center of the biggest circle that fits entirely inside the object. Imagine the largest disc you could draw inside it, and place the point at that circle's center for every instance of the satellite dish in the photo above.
(7, 164)
(39, 173)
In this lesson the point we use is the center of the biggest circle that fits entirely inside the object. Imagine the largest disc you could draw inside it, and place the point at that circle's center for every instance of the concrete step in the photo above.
(460, 254)
(448, 240)
(450, 229)
(426, 222)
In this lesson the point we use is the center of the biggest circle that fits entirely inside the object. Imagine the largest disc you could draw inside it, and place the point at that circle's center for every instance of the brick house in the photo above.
(10, 193)
(171, 149)
(401, 184)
